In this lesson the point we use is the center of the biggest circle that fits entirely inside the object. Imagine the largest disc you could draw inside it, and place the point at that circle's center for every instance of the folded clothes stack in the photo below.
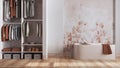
(6, 49)
(16, 49)
(33, 49)
(10, 49)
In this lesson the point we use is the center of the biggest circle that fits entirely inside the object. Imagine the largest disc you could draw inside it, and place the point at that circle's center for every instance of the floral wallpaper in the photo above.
(88, 20)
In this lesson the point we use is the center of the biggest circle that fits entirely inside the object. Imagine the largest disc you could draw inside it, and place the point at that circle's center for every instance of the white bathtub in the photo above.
(92, 52)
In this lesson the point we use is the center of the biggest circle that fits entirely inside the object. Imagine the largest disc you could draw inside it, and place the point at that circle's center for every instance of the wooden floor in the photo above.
(60, 63)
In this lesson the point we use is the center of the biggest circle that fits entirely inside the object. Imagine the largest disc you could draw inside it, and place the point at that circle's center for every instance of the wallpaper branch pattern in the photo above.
(88, 20)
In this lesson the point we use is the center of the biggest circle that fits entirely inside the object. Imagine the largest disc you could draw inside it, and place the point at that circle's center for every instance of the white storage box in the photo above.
(7, 56)
(28, 56)
(37, 56)
(16, 56)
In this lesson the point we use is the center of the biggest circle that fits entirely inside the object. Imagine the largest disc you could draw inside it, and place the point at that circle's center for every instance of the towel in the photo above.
(106, 49)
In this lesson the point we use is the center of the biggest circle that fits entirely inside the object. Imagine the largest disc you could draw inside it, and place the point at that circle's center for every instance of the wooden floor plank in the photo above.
(53, 62)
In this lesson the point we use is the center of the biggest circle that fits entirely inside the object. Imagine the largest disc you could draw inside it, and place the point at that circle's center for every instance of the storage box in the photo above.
(27, 56)
(7, 56)
(37, 56)
(16, 56)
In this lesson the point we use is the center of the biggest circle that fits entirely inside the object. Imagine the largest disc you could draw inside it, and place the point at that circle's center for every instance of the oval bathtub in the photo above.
(92, 52)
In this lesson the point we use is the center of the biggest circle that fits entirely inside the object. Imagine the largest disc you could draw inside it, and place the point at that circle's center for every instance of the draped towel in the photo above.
(106, 49)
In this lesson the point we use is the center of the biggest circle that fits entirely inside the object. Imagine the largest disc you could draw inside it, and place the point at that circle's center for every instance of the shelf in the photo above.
(12, 40)
(16, 20)
(12, 52)
(33, 20)
(33, 44)
(32, 52)
(13, 23)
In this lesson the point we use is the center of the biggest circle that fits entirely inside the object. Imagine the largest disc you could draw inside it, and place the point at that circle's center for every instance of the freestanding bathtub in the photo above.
(92, 52)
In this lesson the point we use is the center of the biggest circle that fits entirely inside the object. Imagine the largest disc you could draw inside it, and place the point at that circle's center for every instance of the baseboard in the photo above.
(0, 55)
(118, 55)
(55, 54)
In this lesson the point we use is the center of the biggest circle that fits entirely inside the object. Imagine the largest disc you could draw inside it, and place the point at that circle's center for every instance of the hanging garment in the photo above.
(39, 30)
(29, 8)
(6, 10)
(19, 8)
(19, 32)
(4, 5)
(17, 14)
(25, 11)
(32, 14)
(7, 33)
(32, 4)
(27, 29)
(16, 30)
(23, 29)
(3, 33)
(16, 36)
(13, 32)
(10, 32)
(12, 9)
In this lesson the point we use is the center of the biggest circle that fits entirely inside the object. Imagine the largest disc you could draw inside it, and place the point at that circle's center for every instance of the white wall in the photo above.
(118, 27)
(1, 15)
(55, 26)
(55, 33)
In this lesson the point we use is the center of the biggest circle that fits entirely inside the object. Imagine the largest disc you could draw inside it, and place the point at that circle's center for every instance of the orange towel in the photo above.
(106, 49)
